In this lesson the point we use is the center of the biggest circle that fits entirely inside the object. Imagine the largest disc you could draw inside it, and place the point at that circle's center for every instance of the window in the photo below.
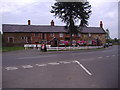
(89, 42)
(73, 42)
(73, 34)
(78, 34)
(43, 35)
(36, 34)
(67, 38)
(22, 38)
(89, 35)
(61, 34)
(67, 33)
(52, 34)
(10, 39)
(28, 39)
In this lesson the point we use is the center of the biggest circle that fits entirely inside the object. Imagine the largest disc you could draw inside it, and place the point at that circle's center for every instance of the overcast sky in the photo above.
(38, 11)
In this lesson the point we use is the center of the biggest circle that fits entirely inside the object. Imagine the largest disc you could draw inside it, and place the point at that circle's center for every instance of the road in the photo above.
(65, 69)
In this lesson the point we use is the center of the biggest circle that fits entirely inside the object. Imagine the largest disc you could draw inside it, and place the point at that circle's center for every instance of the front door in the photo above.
(29, 39)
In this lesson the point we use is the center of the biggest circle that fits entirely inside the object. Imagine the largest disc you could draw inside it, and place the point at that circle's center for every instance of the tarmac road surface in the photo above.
(66, 69)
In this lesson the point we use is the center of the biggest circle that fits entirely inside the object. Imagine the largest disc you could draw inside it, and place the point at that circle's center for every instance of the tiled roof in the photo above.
(92, 30)
(43, 28)
(32, 28)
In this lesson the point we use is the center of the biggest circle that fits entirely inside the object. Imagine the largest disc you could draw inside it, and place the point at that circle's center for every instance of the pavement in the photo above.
(63, 69)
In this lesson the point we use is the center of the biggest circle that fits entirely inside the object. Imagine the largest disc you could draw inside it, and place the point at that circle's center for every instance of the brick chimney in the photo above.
(29, 22)
(52, 23)
(101, 24)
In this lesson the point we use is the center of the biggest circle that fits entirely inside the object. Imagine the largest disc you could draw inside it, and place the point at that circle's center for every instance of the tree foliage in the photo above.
(71, 12)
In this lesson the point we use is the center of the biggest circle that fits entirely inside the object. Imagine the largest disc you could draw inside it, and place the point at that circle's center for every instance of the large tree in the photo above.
(72, 12)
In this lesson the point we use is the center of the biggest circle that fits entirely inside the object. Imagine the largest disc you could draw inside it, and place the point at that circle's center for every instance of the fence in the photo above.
(38, 46)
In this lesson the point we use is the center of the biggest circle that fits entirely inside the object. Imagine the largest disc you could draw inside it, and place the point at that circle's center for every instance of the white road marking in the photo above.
(107, 56)
(64, 62)
(113, 55)
(100, 57)
(41, 65)
(33, 57)
(11, 68)
(54, 63)
(27, 66)
(83, 67)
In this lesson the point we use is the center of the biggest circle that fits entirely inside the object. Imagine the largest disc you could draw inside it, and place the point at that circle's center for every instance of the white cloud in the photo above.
(18, 2)
(19, 11)
(13, 5)
(106, 12)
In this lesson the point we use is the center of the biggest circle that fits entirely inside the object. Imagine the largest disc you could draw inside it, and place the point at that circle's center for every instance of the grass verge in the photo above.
(6, 49)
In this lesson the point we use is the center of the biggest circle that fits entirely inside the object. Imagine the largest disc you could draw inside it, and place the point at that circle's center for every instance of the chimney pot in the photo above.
(29, 22)
(52, 23)
(101, 24)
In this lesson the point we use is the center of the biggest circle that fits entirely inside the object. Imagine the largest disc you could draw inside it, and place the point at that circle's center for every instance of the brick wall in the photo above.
(22, 38)
(18, 38)
(86, 37)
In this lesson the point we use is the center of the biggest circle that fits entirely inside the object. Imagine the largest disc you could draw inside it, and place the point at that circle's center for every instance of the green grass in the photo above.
(116, 43)
(6, 49)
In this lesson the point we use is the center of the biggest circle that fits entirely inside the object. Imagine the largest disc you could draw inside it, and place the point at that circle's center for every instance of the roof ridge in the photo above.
(45, 25)
(32, 25)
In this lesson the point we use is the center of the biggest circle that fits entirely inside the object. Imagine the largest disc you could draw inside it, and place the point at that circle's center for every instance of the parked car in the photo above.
(110, 44)
(105, 45)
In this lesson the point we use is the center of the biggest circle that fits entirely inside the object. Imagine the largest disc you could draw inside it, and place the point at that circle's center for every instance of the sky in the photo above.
(38, 11)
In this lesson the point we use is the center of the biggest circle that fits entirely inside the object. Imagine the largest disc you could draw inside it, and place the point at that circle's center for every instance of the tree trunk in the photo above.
(70, 39)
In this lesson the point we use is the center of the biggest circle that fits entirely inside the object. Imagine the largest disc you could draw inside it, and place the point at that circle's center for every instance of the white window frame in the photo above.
(89, 35)
(61, 35)
(22, 38)
(73, 35)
